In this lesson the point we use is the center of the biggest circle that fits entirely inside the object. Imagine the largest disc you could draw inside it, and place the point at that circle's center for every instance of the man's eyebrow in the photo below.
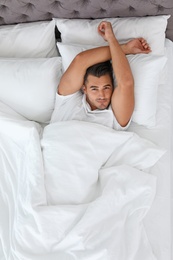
(107, 85)
(94, 87)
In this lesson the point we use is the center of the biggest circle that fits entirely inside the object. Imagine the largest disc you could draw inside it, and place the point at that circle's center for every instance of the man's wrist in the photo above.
(124, 48)
(111, 39)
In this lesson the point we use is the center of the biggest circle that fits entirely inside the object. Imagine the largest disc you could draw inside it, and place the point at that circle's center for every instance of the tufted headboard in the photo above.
(20, 11)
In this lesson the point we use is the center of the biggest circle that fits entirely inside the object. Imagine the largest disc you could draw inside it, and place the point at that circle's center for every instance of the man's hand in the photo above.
(106, 31)
(136, 46)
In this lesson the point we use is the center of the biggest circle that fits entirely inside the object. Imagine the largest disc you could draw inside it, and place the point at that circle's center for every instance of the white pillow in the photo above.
(68, 52)
(28, 40)
(7, 113)
(146, 70)
(29, 86)
(84, 31)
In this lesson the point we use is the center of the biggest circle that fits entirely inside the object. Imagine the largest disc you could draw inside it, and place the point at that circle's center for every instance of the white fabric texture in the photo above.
(152, 28)
(30, 40)
(75, 107)
(108, 227)
(158, 222)
(7, 113)
(146, 71)
(29, 86)
(65, 142)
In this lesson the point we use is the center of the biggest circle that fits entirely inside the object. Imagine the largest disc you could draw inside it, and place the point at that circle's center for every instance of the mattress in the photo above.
(158, 221)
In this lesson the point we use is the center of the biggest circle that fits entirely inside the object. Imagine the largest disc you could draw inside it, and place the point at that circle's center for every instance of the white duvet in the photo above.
(78, 193)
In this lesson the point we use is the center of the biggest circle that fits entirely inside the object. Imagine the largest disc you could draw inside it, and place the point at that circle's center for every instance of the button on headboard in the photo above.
(19, 11)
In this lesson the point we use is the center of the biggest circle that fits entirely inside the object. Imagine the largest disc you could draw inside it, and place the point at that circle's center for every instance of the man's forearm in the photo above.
(93, 56)
(97, 55)
(120, 63)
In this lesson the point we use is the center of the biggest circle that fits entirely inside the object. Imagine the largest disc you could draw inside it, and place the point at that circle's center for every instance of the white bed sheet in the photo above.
(31, 228)
(158, 220)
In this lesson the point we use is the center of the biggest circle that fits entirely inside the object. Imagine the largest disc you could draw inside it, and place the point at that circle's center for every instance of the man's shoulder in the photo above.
(76, 95)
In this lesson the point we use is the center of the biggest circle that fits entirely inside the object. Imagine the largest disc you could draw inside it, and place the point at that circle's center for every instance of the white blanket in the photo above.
(82, 197)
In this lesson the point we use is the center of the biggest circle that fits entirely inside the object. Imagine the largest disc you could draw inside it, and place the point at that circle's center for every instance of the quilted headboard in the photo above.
(19, 11)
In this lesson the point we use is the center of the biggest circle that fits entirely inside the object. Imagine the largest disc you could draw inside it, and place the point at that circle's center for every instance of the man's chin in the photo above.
(102, 107)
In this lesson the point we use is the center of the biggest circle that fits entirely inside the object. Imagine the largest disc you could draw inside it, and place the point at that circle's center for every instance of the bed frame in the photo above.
(21, 11)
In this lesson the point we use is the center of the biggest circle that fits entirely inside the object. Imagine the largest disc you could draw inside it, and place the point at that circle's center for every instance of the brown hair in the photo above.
(100, 69)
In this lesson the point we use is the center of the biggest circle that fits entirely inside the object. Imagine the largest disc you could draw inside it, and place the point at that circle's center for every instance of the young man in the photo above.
(91, 71)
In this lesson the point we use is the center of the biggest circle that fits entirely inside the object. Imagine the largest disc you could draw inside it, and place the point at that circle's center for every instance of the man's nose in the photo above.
(101, 93)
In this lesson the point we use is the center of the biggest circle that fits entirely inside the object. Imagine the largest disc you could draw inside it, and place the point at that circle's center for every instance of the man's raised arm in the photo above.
(72, 79)
(122, 101)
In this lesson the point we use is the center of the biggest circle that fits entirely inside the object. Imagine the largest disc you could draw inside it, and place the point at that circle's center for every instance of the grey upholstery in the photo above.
(19, 11)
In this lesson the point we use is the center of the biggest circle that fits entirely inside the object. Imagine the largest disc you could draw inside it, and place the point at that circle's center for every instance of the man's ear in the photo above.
(84, 89)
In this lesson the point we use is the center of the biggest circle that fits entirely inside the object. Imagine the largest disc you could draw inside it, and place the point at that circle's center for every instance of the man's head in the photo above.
(98, 85)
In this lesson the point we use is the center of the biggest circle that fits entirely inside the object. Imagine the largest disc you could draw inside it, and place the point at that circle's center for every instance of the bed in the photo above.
(66, 193)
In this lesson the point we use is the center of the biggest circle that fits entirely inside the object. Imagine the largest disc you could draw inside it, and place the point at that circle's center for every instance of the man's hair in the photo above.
(100, 69)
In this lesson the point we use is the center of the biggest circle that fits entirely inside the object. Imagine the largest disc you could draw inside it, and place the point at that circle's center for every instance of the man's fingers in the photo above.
(101, 28)
(146, 52)
(144, 44)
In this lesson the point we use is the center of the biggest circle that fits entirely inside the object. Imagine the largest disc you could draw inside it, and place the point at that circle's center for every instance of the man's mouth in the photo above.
(101, 100)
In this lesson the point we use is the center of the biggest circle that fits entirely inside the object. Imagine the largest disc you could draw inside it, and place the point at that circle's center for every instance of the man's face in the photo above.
(98, 91)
